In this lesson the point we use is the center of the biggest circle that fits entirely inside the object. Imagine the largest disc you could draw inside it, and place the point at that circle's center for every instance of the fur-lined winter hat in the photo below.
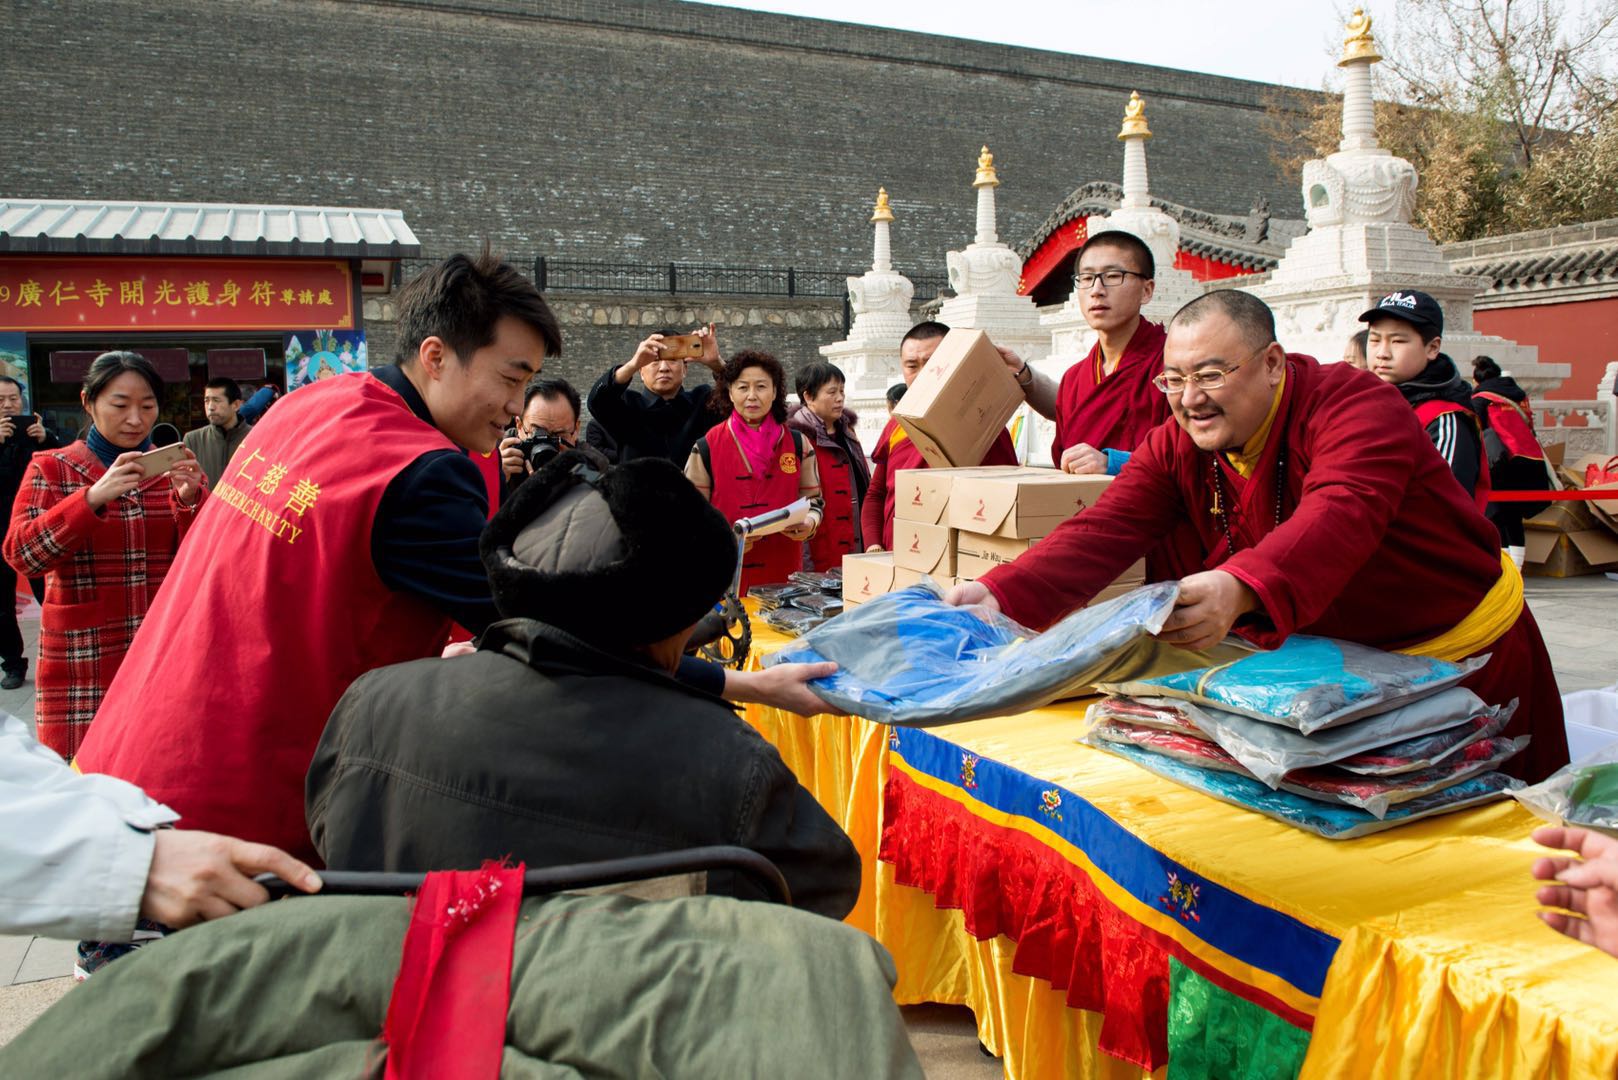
(618, 556)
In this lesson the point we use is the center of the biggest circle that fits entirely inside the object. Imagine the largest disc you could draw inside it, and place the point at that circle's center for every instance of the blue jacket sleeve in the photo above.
(1116, 459)
(257, 405)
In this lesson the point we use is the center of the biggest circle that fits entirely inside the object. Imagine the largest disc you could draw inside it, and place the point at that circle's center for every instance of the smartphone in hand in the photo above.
(680, 347)
(159, 461)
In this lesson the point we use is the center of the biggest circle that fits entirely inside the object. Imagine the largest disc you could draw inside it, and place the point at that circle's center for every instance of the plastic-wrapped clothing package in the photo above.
(1309, 683)
(830, 581)
(773, 596)
(1425, 751)
(1164, 715)
(1323, 819)
(818, 602)
(1270, 751)
(793, 620)
(1584, 793)
(1373, 794)
(909, 658)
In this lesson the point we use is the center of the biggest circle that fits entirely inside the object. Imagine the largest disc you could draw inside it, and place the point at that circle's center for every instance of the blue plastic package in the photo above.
(909, 658)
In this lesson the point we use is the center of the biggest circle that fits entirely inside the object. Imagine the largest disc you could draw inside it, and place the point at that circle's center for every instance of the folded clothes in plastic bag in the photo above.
(773, 596)
(830, 581)
(1425, 751)
(909, 658)
(1270, 751)
(1308, 684)
(1584, 793)
(818, 602)
(794, 621)
(1323, 819)
(1161, 713)
(1373, 794)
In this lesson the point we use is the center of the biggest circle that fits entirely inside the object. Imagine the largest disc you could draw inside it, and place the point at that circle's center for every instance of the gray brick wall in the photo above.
(615, 130)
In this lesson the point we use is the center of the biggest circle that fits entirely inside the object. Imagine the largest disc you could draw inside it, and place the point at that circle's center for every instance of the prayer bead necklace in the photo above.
(1221, 502)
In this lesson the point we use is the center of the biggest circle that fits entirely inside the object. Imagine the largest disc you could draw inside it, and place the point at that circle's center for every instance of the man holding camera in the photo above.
(669, 420)
(548, 425)
(20, 438)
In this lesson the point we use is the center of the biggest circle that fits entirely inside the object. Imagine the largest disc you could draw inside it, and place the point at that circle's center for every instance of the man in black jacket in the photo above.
(565, 738)
(666, 422)
(20, 438)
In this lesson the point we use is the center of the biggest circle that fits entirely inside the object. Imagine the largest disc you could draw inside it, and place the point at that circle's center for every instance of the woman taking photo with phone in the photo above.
(753, 463)
(103, 533)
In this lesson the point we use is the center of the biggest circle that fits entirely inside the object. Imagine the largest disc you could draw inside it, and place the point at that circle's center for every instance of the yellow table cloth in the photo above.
(1414, 952)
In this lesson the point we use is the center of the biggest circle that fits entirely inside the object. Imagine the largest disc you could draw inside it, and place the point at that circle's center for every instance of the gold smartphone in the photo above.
(159, 461)
(680, 347)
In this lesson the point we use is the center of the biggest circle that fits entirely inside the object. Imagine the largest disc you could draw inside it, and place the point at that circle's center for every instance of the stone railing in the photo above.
(1595, 426)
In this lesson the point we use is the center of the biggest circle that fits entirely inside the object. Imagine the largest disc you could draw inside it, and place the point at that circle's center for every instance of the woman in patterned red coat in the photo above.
(102, 535)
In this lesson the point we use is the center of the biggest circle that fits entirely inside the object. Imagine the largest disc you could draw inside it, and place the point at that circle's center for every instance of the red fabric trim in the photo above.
(447, 1017)
(1068, 933)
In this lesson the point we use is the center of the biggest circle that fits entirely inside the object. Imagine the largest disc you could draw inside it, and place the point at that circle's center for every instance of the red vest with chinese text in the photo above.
(272, 609)
(1431, 410)
(738, 493)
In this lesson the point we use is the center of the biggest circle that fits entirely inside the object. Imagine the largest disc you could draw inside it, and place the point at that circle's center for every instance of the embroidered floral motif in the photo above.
(969, 770)
(1050, 803)
(1182, 898)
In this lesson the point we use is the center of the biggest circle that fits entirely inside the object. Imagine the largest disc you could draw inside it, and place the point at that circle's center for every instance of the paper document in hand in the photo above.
(774, 521)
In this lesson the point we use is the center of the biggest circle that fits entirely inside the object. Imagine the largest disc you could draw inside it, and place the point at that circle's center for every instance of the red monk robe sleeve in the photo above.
(1088, 551)
(876, 500)
(1359, 459)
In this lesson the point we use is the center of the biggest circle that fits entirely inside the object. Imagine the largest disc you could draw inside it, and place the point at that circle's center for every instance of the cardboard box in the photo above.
(929, 549)
(903, 578)
(960, 402)
(923, 494)
(1570, 554)
(977, 553)
(866, 577)
(1605, 510)
(1021, 505)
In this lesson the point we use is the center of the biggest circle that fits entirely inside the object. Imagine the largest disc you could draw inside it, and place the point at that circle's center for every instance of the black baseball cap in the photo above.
(1416, 308)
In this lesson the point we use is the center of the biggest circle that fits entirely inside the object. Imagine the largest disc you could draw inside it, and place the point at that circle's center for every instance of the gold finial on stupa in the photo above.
(883, 211)
(986, 176)
(1135, 118)
(1359, 45)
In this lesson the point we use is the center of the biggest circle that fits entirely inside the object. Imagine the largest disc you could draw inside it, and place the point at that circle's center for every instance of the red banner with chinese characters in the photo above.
(132, 293)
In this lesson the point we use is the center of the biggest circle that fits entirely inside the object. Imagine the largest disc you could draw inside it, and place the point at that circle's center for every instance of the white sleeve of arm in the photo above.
(74, 850)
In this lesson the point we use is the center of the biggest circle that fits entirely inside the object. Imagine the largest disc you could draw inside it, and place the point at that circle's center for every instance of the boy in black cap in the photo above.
(565, 737)
(1402, 347)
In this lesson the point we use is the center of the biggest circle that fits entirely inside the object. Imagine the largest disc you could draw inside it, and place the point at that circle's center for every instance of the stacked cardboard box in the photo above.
(954, 525)
(1568, 539)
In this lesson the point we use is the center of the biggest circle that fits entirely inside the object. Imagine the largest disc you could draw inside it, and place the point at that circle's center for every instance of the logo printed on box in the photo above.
(977, 515)
(915, 544)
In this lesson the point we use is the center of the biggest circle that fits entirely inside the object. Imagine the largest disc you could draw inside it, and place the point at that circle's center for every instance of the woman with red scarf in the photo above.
(752, 463)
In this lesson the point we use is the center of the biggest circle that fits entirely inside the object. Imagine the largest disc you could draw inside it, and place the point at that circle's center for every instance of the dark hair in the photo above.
(817, 375)
(109, 365)
(1361, 342)
(1146, 266)
(924, 331)
(1484, 367)
(552, 389)
(462, 298)
(1244, 309)
(13, 382)
(719, 401)
(232, 388)
(895, 392)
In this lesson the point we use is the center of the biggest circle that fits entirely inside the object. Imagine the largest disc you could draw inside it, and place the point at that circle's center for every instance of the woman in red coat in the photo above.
(828, 426)
(753, 463)
(102, 535)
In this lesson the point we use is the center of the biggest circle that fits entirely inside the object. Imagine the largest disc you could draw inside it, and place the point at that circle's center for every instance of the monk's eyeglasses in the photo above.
(1110, 279)
(1172, 382)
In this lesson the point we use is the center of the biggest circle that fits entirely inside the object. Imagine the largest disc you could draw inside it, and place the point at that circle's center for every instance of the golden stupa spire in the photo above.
(883, 211)
(986, 176)
(1359, 45)
(1135, 118)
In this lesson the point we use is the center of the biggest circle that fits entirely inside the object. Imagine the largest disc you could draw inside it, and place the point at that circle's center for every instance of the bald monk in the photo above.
(1319, 506)
(894, 450)
(1106, 403)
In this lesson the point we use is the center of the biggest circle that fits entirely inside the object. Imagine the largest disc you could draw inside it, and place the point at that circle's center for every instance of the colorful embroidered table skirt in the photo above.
(1102, 921)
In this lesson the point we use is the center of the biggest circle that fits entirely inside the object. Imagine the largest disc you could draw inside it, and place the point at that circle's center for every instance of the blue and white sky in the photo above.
(1293, 42)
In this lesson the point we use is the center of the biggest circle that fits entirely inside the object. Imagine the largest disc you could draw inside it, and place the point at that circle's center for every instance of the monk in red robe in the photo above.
(1106, 403)
(894, 450)
(1320, 507)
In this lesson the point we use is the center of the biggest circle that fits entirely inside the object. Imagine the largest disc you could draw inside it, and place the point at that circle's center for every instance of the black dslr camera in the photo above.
(540, 448)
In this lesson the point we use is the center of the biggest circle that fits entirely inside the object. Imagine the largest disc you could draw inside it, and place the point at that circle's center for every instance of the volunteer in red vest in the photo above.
(1319, 506)
(1511, 447)
(828, 425)
(1402, 347)
(895, 452)
(1106, 403)
(753, 463)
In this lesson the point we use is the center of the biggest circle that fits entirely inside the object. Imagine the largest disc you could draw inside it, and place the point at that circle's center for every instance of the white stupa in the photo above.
(985, 276)
(1361, 246)
(1071, 337)
(869, 356)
